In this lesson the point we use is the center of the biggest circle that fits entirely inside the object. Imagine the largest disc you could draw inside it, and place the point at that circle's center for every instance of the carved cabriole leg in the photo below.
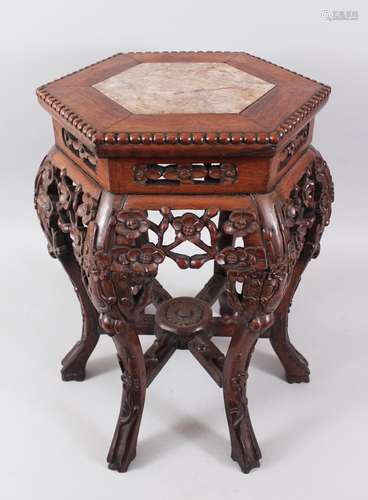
(74, 363)
(306, 214)
(130, 355)
(120, 267)
(279, 233)
(257, 274)
(295, 365)
(244, 446)
(64, 211)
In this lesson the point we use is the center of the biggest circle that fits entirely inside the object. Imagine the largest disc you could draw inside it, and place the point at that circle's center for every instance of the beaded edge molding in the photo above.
(185, 138)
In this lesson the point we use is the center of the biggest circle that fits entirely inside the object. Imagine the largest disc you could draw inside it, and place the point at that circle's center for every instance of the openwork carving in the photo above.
(293, 147)
(324, 190)
(119, 275)
(256, 251)
(63, 209)
(79, 149)
(190, 227)
(259, 245)
(302, 218)
(194, 173)
(308, 211)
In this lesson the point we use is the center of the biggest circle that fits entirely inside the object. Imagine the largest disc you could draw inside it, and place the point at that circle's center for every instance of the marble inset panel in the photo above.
(181, 87)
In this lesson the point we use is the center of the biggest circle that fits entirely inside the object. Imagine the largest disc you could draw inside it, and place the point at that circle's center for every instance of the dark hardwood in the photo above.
(265, 198)
(209, 356)
(74, 363)
(123, 447)
(184, 316)
(244, 446)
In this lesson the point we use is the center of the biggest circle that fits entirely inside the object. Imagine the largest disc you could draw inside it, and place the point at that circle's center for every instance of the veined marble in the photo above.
(182, 87)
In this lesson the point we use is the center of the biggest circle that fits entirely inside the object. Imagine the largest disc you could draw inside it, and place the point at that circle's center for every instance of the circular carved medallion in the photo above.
(183, 315)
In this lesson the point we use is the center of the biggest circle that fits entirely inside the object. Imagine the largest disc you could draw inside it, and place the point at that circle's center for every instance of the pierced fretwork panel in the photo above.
(193, 173)
(244, 243)
(79, 149)
(168, 233)
(64, 209)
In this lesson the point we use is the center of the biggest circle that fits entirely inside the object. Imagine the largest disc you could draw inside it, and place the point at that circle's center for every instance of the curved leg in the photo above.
(74, 363)
(120, 269)
(295, 365)
(244, 446)
(131, 359)
(291, 225)
(257, 276)
(64, 211)
(316, 188)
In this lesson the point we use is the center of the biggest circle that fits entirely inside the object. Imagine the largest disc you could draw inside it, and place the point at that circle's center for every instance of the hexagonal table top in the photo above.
(183, 87)
(203, 99)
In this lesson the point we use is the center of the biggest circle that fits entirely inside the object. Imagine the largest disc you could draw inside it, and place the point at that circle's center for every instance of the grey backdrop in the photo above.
(54, 436)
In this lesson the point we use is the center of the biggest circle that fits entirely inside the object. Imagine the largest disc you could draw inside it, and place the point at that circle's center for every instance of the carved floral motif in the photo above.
(120, 275)
(188, 227)
(87, 210)
(63, 209)
(241, 223)
(240, 258)
(303, 216)
(144, 260)
(131, 223)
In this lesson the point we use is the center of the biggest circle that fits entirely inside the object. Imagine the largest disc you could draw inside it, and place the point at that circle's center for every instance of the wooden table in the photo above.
(224, 136)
